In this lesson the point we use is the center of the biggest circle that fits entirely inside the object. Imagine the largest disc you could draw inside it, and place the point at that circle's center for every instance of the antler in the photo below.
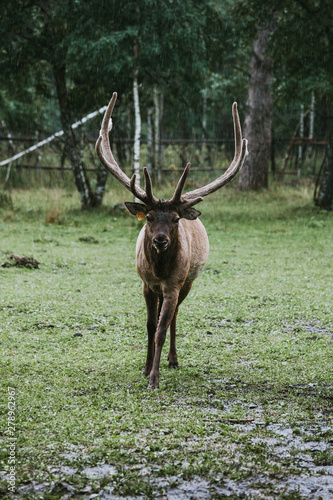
(103, 150)
(104, 153)
(177, 196)
(193, 197)
(148, 198)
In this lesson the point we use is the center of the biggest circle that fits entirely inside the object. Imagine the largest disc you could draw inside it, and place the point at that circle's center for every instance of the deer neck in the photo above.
(162, 264)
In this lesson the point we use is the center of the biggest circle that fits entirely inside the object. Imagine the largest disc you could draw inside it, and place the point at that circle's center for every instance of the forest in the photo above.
(247, 410)
(177, 67)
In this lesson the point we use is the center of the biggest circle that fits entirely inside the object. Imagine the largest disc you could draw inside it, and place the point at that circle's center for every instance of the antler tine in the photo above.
(134, 189)
(148, 198)
(148, 187)
(104, 153)
(235, 166)
(179, 188)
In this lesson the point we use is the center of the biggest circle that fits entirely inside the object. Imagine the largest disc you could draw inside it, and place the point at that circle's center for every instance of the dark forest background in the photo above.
(61, 60)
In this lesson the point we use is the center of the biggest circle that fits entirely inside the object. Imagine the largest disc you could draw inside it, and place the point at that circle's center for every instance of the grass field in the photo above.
(248, 414)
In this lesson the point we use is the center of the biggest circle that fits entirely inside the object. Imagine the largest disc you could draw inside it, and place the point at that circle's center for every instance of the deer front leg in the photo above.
(167, 313)
(172, 357)
(151, 304)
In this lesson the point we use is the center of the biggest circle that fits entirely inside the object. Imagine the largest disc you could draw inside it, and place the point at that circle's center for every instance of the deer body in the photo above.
(172, 246)
(178, 265)
(167, 279)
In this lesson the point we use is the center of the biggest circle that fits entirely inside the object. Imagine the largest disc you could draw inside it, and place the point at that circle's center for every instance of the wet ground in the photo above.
(309, 455)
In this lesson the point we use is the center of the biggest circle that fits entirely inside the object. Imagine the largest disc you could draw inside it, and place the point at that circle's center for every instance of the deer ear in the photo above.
(189, 213)
(137, 209)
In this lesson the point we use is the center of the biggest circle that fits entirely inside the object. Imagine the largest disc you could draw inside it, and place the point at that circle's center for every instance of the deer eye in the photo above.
(149, 217)
(175, 219)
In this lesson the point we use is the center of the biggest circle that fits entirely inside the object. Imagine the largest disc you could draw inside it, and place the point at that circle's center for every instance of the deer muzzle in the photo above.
(161, 242)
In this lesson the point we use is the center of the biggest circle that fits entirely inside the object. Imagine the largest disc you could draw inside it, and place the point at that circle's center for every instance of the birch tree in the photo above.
(150, 139)
(137, 134)
(157, 135)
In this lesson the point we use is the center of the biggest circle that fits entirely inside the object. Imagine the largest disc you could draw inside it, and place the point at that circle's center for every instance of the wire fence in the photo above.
(298, 157)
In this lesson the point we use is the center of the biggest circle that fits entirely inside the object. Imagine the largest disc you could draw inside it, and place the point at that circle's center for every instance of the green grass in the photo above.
(254, 346)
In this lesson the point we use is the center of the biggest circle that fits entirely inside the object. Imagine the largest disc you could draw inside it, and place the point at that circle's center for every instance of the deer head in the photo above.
(162, 216)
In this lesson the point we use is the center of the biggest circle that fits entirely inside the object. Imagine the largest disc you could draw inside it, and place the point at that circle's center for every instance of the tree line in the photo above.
(178, 63)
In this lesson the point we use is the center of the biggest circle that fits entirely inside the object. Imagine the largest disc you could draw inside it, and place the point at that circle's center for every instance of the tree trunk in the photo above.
(258, 119)
(11, 148)
(137, 134)
(128, 143)
(73, 150)
(102, 175)
(311, 130)
(204, 116)
(324, 198)
(157, 135)
(150, 140)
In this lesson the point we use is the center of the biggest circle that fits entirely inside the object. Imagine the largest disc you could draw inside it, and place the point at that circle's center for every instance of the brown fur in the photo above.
(167, 279)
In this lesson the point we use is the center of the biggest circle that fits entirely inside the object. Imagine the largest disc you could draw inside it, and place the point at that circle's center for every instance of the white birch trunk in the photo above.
(149, 140)
(311, 128)
(300, 147)
(204, 114)
(128, 143)
(157, 135)
(137, 134)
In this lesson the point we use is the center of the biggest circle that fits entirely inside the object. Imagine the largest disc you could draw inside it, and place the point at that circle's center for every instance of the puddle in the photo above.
(106, 494)
(188, 490)
(313, 328)
(99, 471)
(171, 488)
(64, 470)
(311, 488)
(174, 488)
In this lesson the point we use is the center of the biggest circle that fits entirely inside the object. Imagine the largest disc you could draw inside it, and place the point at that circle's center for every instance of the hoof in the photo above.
(173, 365)
(152, 387)
(146, 371)
(153, 382)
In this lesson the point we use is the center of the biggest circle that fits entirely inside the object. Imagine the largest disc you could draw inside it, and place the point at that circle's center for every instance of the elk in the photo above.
(172, 246)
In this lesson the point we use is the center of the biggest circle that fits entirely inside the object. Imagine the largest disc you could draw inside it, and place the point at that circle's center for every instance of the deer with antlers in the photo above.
(172, 246)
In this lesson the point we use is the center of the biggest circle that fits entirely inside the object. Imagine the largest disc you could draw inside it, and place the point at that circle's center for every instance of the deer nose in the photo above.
(160, 242)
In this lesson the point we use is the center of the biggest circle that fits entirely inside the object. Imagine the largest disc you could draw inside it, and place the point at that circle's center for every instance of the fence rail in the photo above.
(291, 156)
(300, 141)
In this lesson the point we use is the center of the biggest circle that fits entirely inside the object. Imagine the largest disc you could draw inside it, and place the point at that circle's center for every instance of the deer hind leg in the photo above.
(152, 305)
(172, 357)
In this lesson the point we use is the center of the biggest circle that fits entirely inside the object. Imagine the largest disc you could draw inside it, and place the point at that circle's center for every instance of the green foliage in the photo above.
(302, 50)
(186, 49)
(95, 42)
(300, 46)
